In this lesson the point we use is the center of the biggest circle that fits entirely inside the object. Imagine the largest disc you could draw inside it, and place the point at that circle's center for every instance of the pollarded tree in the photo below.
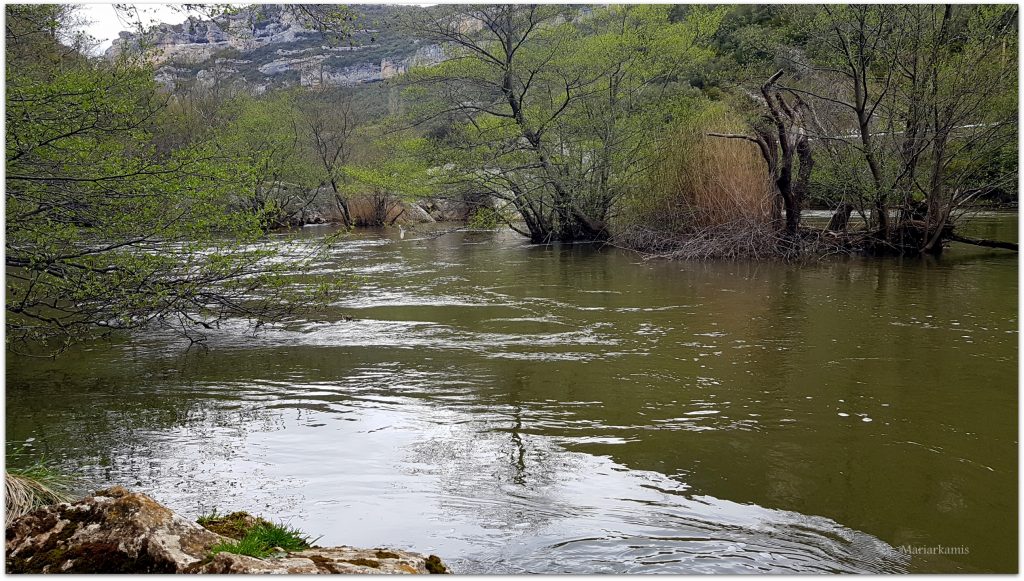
(781, 137)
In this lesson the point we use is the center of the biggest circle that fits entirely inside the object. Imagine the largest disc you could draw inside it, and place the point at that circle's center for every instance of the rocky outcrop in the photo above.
(117, 531)
(441, 210)
(278, 46)
(196, 39)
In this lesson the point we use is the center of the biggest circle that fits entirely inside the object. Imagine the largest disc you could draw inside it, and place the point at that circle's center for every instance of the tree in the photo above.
(331, 124)
(925, 96)
(386, 180)
(552, 108)
(958, 102)
(105, 232)
(782, 139)
(264, 144)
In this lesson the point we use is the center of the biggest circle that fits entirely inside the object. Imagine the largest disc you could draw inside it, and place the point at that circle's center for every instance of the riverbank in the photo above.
(118, 531)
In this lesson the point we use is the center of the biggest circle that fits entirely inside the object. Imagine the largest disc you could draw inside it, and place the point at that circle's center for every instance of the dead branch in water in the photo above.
(744, 239)
(984, 242)
(737, 240)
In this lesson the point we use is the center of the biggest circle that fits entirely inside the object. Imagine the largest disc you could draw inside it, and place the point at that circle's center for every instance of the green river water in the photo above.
(516, 408)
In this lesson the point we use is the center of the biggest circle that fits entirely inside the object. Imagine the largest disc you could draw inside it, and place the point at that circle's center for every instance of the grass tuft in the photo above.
(233, 525)
(253, 536)
(249, 546)
(278, 535)
(29, 488)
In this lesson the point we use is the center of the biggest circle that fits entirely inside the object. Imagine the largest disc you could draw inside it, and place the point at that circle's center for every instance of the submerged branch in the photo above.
(983, 242)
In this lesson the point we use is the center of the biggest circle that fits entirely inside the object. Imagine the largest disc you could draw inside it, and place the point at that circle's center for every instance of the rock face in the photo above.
(278, 47)
(117, 531)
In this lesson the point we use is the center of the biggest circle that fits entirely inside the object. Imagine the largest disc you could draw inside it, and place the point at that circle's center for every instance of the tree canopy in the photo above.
(105, 231)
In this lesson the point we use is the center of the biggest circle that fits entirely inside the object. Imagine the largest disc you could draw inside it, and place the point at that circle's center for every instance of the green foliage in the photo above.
(553, 109)
(263, 144)
(922, 98)
(209, 517)
(249, 546)
(107, 228)
(262, 539)
(485, 219)
(396, 167)
(907, 106)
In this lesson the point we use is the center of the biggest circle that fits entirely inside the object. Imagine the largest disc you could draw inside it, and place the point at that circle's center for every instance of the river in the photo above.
(516, 408)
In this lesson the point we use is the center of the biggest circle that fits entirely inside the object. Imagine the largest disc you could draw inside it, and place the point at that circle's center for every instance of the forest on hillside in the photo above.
(689, 131)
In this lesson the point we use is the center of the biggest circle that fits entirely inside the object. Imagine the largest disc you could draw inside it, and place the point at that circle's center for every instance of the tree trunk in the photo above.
(342, 203)
(803, 177)
(840, 218)
(936, 217)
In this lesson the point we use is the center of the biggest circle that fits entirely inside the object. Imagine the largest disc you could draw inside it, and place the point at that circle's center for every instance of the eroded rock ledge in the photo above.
(117, 531)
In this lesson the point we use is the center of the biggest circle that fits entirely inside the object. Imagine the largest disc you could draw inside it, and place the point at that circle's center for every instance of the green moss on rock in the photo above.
(235, 525)
(435, 566)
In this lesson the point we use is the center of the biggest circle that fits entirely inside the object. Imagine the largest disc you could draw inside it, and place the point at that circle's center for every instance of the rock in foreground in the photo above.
(117, 531)
(332, 560)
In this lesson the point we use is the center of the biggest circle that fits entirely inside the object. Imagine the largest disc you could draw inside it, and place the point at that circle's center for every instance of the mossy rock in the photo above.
(235, 525)
(435, 566)
(117, 531)
(113, 531)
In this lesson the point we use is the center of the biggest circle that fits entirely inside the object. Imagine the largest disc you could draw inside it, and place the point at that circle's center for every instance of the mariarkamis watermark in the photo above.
(934, 550)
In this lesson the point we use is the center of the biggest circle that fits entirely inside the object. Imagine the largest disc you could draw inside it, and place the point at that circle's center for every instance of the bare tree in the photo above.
(332, 124)
(923, 95)
(782, 140)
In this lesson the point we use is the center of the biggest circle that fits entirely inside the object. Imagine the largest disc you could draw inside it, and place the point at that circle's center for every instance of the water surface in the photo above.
(518, 408)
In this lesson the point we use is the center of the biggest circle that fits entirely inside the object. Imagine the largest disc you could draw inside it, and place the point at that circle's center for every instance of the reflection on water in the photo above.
(563, 409)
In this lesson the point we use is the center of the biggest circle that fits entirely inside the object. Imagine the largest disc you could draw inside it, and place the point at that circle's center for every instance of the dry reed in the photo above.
(703, 181)
(710, 198)
(377, 209)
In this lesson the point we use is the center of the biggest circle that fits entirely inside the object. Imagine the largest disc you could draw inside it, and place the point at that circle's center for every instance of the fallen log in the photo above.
(983, 242)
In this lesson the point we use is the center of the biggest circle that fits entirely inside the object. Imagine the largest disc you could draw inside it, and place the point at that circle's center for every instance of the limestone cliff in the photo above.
(271, 45)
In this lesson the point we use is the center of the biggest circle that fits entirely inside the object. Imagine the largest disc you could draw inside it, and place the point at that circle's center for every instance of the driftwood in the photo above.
(983, 242)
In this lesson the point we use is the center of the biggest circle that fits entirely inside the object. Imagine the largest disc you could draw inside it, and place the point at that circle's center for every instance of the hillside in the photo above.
(271, 45)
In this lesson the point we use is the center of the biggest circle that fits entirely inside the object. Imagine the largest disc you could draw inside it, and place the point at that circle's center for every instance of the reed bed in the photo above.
(703, 182)
(377, 209)
(709, 198)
